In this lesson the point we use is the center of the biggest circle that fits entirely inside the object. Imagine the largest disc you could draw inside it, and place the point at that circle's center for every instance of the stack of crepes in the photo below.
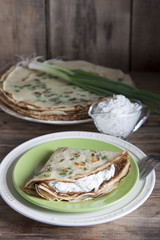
(74, 174)
(39, 95)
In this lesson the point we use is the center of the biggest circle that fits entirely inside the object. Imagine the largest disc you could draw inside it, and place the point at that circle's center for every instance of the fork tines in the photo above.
(147, 164)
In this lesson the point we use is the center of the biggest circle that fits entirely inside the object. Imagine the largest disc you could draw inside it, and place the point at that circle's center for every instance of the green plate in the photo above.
(32, 161)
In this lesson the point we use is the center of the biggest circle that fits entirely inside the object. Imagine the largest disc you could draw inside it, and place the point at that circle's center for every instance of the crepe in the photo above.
(74, 174)
(42, 96)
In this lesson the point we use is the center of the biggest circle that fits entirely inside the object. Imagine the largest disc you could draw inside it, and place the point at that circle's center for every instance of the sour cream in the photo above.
(117, 116)
(85, 184)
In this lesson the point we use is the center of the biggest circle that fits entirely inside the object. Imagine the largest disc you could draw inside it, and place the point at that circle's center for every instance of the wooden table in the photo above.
(142, 224)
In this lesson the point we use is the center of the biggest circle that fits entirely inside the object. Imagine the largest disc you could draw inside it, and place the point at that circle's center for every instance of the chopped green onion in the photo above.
(49, 169)
(62, 173)
(47, 175)
(61, 160)
(104, 157)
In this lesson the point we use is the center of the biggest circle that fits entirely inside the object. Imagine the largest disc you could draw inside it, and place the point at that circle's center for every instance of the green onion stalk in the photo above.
(99, 84)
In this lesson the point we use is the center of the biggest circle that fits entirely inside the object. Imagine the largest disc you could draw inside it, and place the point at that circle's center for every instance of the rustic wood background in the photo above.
(121, 34)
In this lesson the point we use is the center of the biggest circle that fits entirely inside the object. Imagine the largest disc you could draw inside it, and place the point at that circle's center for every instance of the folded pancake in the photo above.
(42, 96)
(74, 174)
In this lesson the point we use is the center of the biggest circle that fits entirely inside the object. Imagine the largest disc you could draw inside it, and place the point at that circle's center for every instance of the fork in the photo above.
(147, 164)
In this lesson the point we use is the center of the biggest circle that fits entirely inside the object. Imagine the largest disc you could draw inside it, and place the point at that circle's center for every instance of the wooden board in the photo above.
(145, 44)
(120, 34)
(22, 25)
(97, 31)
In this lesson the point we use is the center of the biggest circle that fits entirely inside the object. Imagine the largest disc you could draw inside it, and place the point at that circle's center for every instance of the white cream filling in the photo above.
(85, 184)
(117, 116)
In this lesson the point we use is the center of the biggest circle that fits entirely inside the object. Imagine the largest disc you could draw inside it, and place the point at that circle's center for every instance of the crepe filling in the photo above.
(85, 184)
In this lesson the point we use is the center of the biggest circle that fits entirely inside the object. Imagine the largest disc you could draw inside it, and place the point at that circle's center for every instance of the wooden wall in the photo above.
(121, 34)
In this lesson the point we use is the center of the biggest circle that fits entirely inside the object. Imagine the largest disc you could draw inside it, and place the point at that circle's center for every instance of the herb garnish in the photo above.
(61, 160)
(104, 157)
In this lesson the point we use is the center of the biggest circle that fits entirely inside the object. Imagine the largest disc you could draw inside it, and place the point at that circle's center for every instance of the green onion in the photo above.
(98, 84)
(47, 175)
(104, 157)
(62, 173)
(61, 160)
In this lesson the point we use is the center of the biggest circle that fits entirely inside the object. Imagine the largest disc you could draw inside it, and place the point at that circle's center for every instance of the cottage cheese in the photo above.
(85, 184)
(117, 116)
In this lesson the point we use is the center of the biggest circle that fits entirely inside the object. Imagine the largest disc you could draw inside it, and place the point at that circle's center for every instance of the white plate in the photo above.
(18, 115)
(139, 194)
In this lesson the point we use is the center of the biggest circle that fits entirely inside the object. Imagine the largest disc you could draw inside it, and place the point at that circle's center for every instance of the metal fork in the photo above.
(147, 164)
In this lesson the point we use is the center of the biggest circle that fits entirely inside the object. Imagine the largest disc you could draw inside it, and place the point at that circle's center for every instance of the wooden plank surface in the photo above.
(22, 25)
(142, 224)
(145, 44)
(97, 31)
(121, 34)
